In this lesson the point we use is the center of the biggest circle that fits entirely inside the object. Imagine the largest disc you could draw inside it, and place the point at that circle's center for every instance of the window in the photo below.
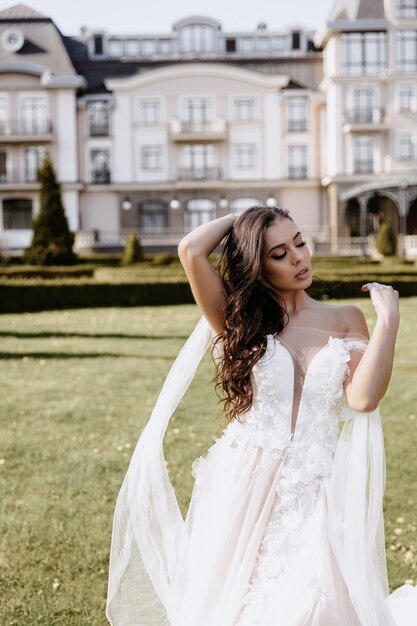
(148, 47)
(150, 111)
(197, 111)
(363, 105)
(263, 44)
(364, 53)
(17, 214)
(406, 50)
(98, 116)
(244, 109)
(115, 47)
(132, 47)
(199, 212)
(100, 166)
(246, 44)
(406, 146)
(239, 205)
(98, 44)
(406, 98)
(151, 158)
(363, 154)
(197, 162)
(197, 38)
(230, 45)
(245, 154)
(297, 114)
(164, 46)
(297, 161)
(406, 8)
(279, 44)
(153, 215)
(3, 166)
(34, 116)
(33, 160)
(4, 116)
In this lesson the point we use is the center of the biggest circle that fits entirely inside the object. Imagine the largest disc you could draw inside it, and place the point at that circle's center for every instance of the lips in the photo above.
(302, 272)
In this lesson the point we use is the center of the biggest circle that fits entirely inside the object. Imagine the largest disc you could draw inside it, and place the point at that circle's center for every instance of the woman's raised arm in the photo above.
(206, 285)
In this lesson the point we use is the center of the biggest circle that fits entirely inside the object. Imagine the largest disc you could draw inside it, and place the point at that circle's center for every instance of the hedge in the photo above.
(19, 298)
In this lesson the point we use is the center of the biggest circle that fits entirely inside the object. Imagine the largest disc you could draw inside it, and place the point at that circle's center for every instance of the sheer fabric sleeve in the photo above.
(148, 528)
(356, 526)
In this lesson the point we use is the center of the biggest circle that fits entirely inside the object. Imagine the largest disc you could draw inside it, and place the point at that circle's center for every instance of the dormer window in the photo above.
(407, 8)
(197, 38)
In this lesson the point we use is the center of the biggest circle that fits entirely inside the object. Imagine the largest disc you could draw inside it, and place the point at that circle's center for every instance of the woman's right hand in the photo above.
(385, 300)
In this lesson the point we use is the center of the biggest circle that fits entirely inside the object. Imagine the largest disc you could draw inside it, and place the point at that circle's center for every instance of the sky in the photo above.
(157, 16)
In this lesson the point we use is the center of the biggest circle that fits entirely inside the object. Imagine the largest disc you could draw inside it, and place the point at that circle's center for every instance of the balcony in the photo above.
(100, 176)
(199, 173)
(25, 131)
(297, 125)
(213, 130)
(99, 129)
(297, 172)
(365, 120)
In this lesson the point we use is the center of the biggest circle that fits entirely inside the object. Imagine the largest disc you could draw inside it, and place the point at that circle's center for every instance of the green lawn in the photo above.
(77, 388)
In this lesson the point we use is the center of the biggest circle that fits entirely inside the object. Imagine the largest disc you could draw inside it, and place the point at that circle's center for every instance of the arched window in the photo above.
(198, 212)
(17, 214)
(197, 38)
(153, 214)
(241, 204)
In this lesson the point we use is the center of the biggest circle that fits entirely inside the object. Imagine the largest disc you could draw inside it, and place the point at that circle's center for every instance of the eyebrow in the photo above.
(280, 245)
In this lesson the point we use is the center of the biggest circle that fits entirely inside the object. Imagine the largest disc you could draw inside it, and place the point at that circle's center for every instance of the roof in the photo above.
(43, 42)
(357, 9)
(21, 12)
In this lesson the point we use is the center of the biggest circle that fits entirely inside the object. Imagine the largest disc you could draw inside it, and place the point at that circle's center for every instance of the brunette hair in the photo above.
(252, 309)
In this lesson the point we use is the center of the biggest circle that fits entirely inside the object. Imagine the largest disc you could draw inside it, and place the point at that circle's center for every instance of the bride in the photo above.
(285, 523)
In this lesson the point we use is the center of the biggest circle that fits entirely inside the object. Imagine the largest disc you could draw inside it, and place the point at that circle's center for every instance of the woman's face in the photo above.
(286, 255)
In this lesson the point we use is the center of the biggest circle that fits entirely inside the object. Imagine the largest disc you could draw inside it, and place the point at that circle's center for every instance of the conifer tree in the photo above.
(386, 241)
(52, 239)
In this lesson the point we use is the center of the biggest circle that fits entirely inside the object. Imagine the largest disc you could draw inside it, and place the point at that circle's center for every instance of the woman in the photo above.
(285, 524)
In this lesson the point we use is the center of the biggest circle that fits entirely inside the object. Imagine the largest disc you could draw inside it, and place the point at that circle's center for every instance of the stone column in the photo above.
(363, 203)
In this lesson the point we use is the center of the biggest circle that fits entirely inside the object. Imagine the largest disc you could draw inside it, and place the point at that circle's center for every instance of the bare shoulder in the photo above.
(352, 319)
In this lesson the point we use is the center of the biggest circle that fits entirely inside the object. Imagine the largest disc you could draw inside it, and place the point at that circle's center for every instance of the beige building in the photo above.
(157, 134)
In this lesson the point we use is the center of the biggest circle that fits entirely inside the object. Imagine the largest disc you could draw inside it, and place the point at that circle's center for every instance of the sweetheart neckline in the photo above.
(285, 349)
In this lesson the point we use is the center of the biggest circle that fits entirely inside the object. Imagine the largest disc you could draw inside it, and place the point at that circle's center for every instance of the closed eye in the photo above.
(299, 245)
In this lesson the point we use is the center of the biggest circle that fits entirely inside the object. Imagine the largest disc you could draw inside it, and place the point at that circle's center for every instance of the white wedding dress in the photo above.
(285, 524)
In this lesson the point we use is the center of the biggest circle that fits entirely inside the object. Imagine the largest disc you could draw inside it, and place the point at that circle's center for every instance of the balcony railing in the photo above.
(189, 129)
(199, 173)
(25, 127)
(297, 125)
(100, 177)
(363, 167)
(297, 171)
(99, 129)
(369, 115)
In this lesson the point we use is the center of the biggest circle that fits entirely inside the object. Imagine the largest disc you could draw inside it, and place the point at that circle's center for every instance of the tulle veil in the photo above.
(148, 552)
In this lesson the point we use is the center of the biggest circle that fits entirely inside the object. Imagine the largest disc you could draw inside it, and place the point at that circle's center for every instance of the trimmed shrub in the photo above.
(133, 252)
(163, 258)
(52, 239)
(386, 241)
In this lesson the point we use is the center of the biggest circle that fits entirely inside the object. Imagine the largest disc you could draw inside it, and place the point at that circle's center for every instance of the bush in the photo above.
(386, 241)
(52, 239)
(133, 252)
(163, 258)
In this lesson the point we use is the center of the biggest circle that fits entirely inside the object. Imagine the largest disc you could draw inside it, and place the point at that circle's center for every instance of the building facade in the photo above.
(158, 134)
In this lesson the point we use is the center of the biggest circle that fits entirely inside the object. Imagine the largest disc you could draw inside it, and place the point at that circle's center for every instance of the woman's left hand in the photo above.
(385, 300)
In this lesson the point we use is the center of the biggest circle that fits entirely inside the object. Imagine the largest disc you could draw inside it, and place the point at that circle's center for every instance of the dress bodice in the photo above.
(268, 422)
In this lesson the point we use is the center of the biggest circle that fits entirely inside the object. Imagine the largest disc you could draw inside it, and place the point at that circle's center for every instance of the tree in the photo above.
(133, 252)
(386, 241)
(52, 239)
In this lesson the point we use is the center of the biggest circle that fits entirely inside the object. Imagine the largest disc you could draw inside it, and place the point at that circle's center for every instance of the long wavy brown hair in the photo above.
(253, 310)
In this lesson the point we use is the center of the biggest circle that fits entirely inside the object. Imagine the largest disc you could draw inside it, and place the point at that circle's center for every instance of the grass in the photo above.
(78, 387)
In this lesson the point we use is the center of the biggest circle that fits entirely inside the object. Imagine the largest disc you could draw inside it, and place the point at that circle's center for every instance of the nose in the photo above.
(297, 255)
